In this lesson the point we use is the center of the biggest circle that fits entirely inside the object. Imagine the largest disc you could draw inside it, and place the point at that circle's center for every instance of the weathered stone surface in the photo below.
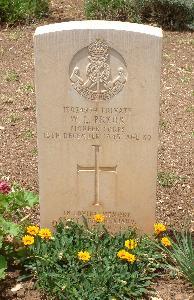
(97, 86)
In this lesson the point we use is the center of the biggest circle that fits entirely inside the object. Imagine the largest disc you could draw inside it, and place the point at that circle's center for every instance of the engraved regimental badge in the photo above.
(104, 75)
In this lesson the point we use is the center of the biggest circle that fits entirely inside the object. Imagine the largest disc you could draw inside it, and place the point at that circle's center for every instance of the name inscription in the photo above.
(85, 123)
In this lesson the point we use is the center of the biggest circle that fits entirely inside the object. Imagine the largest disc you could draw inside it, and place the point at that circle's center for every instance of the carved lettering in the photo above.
(114, 221)
(51, 135)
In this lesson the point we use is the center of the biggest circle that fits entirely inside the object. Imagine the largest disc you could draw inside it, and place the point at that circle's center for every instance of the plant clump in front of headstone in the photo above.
(13, 218)
(81, 262)
(178, 249)
(20, 11)
(170, 14)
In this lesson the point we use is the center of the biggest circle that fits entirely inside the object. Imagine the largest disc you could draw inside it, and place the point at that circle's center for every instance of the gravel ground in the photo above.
(18, 157)
(174, 201)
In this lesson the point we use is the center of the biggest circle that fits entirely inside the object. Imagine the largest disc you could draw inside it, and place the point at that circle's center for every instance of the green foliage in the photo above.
(170, 14)
(12, 220)
(180, 255)
(190, 109)
(12, 75)
(168, 179)
(12, 11)
(3, 266)
(116, 10)
(60, 274)
(15, 200)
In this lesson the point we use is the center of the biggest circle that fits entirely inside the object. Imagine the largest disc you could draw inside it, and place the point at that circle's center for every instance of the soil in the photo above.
(18, 160)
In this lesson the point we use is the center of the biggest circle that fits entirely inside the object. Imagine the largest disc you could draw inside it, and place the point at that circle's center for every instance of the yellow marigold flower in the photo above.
(32, 230)
(130, 258)
(130, 244)
(84, 256)
(165, 241)
(45, 233)
(99, 218)
(28, 240)
(159, 227)
(122, 254)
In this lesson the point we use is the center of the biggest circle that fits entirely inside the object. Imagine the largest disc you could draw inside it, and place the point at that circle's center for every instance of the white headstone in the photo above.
(97, 87)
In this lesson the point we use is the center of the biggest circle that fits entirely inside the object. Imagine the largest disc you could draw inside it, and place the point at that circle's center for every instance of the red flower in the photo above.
(4, 187)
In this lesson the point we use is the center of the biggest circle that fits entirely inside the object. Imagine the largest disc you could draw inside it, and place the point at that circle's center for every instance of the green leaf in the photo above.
(4, 202)
(3, 266)
(1, 240)
(30, 198)
(14, 229)
(10, 228)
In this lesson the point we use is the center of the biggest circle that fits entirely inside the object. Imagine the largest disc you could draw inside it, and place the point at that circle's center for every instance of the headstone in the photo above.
(97, 87)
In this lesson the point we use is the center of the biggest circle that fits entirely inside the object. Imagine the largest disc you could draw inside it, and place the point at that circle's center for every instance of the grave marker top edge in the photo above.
(97, 25)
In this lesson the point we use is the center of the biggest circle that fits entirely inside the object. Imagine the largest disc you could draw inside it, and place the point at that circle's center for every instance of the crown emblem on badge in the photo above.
(98, 48)
(99, 85)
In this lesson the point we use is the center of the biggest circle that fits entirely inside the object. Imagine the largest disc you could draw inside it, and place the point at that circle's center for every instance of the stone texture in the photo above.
(97, 87)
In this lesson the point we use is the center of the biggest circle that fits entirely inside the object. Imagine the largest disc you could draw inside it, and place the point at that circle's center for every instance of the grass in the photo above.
(190, 109)
(168, 56)
(6, 99)
(28, 88)
(13, 118)
(12, 76)
(186, 42)
(15, 35)
(168, 179)
(28, 134)
(185, 79)
(163, 124)
(189, 69)
(34, 151)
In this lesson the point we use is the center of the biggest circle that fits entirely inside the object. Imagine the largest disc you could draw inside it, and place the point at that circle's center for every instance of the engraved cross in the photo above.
(96, 169)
